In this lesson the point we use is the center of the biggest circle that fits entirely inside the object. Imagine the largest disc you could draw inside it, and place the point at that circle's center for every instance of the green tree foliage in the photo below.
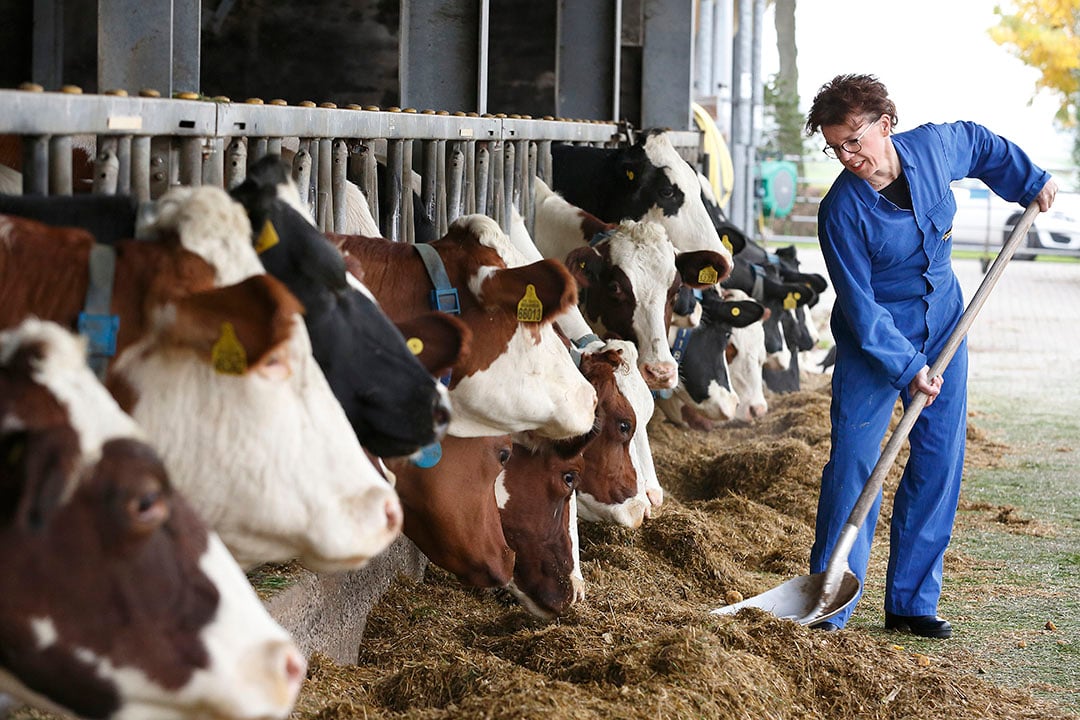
(1045, 34)
(782, 107)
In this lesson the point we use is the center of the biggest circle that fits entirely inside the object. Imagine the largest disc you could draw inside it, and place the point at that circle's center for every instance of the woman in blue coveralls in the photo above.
(884, 229)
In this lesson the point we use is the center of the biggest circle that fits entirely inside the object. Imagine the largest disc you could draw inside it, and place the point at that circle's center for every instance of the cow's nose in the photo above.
(656, 496)
(660, 376)
(394, 515)
(287, 668)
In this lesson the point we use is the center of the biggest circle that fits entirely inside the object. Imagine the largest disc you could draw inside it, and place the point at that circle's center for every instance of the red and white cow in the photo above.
(450, 509)
(517, 376)
(631, 385)
(221, 378)
(628, 274)
(116, 601)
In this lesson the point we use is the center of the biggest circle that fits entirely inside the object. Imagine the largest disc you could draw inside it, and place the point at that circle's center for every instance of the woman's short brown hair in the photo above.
(845, 95)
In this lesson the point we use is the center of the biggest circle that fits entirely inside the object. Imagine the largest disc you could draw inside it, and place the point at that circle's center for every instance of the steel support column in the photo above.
(587, 59)
(667, 64)
(443, 54)
(149, 44)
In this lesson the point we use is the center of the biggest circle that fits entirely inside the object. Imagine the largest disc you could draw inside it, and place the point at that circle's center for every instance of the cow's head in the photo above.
(450, 510)
(225, 379)
(535, 495)
(656, 183)
(392, 402)
(518, 375)
(610, 490)
(745, 357)
(115, 599)
(630, 279)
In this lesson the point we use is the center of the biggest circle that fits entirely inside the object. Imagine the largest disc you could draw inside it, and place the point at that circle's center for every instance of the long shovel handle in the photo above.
(838, 561)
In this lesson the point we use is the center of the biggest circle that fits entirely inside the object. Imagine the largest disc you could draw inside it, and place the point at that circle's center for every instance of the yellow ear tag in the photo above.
(727, 243)
(529, 308)
(791, 301)
(708, 275)
(415, 345)
(228, 355)
(268, 238)
(630, 174)
(735, 312)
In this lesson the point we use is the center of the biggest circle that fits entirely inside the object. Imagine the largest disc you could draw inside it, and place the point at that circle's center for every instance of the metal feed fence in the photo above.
(453, 164)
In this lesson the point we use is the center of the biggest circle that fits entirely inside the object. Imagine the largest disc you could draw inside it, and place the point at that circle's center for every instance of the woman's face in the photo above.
(867, 137)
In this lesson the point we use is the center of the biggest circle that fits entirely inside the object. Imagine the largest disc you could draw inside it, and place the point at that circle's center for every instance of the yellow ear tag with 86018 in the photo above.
(228, 355)
(415, 345)
(708, 275)
(267, 239)
(727, 243)
(529, 308)
(792, 300)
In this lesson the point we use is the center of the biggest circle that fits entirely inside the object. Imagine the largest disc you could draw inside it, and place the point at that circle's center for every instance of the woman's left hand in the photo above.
(1045, 198)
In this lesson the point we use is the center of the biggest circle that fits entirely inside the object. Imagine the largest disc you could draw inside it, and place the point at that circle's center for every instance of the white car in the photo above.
(985, 220)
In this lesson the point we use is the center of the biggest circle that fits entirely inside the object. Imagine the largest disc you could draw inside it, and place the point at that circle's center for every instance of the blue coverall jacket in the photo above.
(897, 301)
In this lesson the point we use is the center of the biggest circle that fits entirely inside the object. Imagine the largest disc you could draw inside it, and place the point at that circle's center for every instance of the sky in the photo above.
(937, 61)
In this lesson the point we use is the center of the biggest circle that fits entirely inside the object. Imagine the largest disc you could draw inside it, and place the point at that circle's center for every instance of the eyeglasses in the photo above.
(849, 146)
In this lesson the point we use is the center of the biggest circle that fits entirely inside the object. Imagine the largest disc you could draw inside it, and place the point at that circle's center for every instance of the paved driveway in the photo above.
(1025, 342)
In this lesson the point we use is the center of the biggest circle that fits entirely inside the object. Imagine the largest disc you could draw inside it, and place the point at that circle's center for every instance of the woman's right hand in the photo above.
(930, 387)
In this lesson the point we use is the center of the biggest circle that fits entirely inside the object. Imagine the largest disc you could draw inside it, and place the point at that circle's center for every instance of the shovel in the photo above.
(810, 599)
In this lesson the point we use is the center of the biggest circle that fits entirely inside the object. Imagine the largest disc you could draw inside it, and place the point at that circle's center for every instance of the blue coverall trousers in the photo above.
(926, 498)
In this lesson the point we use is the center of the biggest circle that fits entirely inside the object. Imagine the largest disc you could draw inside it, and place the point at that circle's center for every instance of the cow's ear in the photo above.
(235, 328)
(34, 470)
(438, 340)
(585, 265)
(731, 237)
(542, 290)
(702, 268)
(741, 313)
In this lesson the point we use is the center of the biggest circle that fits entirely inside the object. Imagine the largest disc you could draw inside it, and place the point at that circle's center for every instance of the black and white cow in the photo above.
(391, 400)
(648, 180)
(705, 395)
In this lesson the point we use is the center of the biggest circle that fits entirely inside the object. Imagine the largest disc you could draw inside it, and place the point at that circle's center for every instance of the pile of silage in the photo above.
(737, 520)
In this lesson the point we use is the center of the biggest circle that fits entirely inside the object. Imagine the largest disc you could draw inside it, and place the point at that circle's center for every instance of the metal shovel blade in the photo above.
(799, 598)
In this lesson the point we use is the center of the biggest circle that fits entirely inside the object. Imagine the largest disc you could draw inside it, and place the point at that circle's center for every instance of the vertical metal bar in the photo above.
(454, 183)
(468, 189)
(312, 145)
(483, 172)
(529, 211)
(191, 161)
(440, 187)
(123, 156)
(408, 222)
(161, 163)
(60, 175)
(509, 186)
(214, 163)
(429, 180)
(235, 162)
(339, 170)
(106, 169)
(482, 58)
(140, 168)
(302, 175)
(257, 149)
(498, 186)
(273, 146)
(47, 46)
(325, 188)
(543, 151)
(394, 160)
(35, 164)
(369, 176)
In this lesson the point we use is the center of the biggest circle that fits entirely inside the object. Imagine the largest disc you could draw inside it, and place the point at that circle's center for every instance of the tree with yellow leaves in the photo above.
(1045, 34)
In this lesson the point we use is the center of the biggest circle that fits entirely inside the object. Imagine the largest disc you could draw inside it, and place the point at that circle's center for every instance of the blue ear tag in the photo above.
(664, 394)
(427, 456)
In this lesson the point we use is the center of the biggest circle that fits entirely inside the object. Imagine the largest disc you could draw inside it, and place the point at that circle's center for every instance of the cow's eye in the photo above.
(625, 427)
(667, 192)
(504, 455)
(615, 289)
(570, 478)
